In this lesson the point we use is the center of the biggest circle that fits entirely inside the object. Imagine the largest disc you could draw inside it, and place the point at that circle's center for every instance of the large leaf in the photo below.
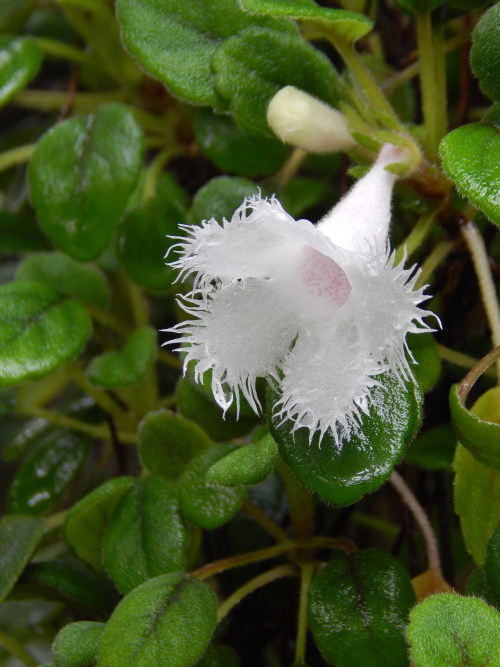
(20, 60)
(170, 615)
(19, 537)
(358, 606)
(485, 54)
(175, 41)
(39, 330)
(343, 472)
(82, 174)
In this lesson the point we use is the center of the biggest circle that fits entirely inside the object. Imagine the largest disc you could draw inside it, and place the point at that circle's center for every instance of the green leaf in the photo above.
(39, 330)
(303, 193)
(425, 351)
(127, 366)
(478, 585)
(86, 522)
(471, 157)
(170, 615)
(46, 473)
(194, 30)
(81, 175)
(414, 7)
(142, 239)
(344, 472)
(233, 150)
(20, 60)
(145, 536)
(357, 608)
(203, 505)
(251, 67)
(220, 198)
(492, 563)
(338, 22)
(13, 14)
(62, 273)
(448, 629)
(19, 233)
(77, 643)
(245, 466)
(485, 54)
(168, 442)
(21, 534)
(478, 429)
(434, 449)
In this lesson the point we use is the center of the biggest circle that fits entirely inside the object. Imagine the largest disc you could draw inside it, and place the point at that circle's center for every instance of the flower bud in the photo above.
(304, 121)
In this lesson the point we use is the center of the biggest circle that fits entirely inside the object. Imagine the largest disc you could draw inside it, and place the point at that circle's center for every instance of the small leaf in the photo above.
(168, 442)
(66, 275)
(81, 175)
(127, 366)
(471, 157)
(19, 537)
(484, 53)
(170, 615)
(251, 67)
(358, 606)
(344, 472)
(77, 643)
(86, 522)
(448, 629)
(19, 233)
(219, 198)
(245, 466)
(145, 536)
(434, 449)
(46, 473)
(20, 60)
(203, 505)
(39, 330)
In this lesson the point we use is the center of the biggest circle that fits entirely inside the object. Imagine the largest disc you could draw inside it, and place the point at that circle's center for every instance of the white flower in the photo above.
(321, 309)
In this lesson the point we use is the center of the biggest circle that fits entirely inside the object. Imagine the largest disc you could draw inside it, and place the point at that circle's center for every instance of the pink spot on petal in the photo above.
(324, 277)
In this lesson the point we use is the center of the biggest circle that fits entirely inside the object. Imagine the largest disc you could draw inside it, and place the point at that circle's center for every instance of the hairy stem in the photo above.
(15, 648)
(16, 156)
(300, 504)
(266, 523)
(438, 255)
(306, 574)
(461, 359)
(58, 49)
(417, 235)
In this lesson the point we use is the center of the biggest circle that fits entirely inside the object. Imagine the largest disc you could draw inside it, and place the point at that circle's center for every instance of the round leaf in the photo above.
(358, 606)
(343, 472)
(81, 176)
(19, 537)
(206, 506)
(170, 615)
(246, 466)
(77, 643)
(449, 629)
(485, 54)
(471, 157)
(145, 536)
(39, 330)
(20, 60)
(220, 198)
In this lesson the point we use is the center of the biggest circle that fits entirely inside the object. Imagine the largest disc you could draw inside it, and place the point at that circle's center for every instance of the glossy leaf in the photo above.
(62, 273)
(46, 473)
(77, 643)
(170, 615)
(251, 67)
(194, 29)
(449, 629)
(484, 53)
(19, 233)
(86, 521)
(168, 442)
(81, 175)
(203, 505)
(219, 198)
(358, 606)
(20, 60)
(342, 473)
(39, 330)
(245, 466)
(19, 537)
(128, 365)
(145, 536)
(340, 23)
(471, 157)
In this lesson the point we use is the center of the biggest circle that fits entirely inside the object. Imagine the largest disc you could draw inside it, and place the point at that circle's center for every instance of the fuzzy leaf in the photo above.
(245, 466)
(19, 537)
(77, 643)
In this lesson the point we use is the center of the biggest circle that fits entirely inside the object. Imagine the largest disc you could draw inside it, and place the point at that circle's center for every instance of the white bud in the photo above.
(304, 121)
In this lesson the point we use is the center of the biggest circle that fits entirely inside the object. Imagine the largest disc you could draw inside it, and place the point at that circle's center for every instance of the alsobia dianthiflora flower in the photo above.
(323, 310)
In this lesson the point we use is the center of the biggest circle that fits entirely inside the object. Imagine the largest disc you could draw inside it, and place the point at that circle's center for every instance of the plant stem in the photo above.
(421, 518)
(266, 523)
(306, 573)
(439, 253)
(155, 168)
(53, 100)
(417, 235)
(477, 249)
(291, 166)
(461, 359)
(374, 523)
(253, 585)
(475, 373)
(17, 650)
(98, 395)
(16, 156)
(58, 49)
(300, 504)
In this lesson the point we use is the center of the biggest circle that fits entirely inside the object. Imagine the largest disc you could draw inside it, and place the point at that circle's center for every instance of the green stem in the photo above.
(417, 235)
(155, 168)
(461, 359)
(291, 166)
(267, 524)
(55, 521)
(99, 396)
(53, 100)
(374, 523)
(60, 50)
(439, 254)
(15, 648)
(475, 373)
(300, 504)
(306, 573)
(16, 156)
(253, 585)
(432, 82)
